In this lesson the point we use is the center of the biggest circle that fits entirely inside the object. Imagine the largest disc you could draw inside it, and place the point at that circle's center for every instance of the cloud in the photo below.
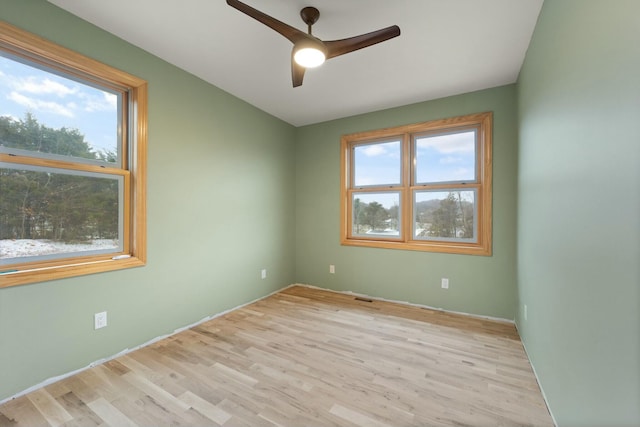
(46, 86)
(40, 105)
(108, 102)
(374, 150)
(89, 101)
(448, 160)
(386, 148)
(11, 117)
(452, 143)
(463, 173)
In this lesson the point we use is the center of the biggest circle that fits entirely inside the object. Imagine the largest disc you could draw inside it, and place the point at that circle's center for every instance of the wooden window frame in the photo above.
(133, 164)
(483, 185)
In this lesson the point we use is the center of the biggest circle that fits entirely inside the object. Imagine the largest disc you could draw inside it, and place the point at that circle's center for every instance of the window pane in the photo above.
(51, 214)
(55, 115)
(377, 164)
(445, 215)
(446, 158)
(376, 214)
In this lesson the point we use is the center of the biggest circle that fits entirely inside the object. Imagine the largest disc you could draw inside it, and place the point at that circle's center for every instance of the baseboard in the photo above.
(129, 350)
(535, 374)
(462, 313)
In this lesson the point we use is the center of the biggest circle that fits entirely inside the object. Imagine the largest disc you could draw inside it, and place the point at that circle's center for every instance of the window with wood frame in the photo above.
(424, 187)
(72, 163)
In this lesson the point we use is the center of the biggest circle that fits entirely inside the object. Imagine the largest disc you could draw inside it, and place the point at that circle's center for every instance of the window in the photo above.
(72, 163)
(424, 187)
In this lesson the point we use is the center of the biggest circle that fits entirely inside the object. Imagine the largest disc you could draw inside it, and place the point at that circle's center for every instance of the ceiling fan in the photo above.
(309, 51)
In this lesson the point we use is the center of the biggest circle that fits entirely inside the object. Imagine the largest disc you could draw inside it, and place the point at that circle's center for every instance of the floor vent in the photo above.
(363, 299)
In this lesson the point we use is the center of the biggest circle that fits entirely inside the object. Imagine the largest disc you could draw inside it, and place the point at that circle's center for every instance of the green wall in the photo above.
(220, 192)
(477, 284)
(579, 210)
(233, 190)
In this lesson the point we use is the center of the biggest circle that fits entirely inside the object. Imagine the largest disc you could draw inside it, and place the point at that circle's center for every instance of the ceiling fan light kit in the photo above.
(309, 51)
(309, 54)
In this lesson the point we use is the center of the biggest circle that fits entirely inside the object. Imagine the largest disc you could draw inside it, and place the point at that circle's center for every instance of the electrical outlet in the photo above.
(525, 312)
(332, 269)
(445, 283)
(100, 320)
(263, 273)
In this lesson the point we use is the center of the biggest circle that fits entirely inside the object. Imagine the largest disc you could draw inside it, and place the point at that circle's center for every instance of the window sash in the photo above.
(122, 179)
(472, 239)
(414, 156)
(372, 234)
(388, 184)
(53, 67)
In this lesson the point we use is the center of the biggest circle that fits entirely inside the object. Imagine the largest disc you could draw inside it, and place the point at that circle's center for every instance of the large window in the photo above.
(422, 187)
(72, 163)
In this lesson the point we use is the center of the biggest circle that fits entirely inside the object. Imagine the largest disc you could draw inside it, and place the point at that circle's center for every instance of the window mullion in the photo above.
(406, 202)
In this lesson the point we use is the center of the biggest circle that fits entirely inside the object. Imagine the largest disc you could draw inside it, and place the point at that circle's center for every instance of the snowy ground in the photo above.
(13, 248)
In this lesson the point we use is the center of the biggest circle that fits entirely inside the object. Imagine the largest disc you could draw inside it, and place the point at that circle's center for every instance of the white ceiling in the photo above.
(446, 47)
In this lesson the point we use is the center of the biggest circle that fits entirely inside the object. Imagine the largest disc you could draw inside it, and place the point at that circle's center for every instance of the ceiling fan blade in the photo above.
(340, 47)
(297, 72)
(291, 33)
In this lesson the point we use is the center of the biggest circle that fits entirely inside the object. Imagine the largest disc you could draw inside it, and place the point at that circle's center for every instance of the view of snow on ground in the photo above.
(12, 248)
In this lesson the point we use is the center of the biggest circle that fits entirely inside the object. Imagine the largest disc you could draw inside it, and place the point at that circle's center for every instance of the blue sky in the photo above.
(377, 163)
(446, 158)
(58, 102)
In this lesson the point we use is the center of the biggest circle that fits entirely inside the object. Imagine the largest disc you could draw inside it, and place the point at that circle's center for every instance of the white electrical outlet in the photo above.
(332, 269)
(445, 283)
(263, 273)
(525, 312)
(100, 320)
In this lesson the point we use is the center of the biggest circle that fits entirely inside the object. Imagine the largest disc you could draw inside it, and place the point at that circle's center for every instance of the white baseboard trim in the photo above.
(355, 294)
(129, 350)
(535, 374)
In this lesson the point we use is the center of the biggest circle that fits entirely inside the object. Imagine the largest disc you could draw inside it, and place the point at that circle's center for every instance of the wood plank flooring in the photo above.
(306, 357)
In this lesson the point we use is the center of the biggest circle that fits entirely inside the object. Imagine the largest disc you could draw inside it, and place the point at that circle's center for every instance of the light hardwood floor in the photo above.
(306, 357)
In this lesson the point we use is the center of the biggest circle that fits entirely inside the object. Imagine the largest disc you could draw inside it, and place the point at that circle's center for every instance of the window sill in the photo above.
(73, 267)
(440, 247)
